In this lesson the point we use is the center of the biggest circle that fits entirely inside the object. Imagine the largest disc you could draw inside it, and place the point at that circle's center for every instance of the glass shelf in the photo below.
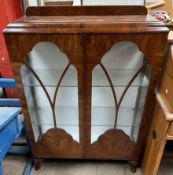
(40, 129)
(119, 78)
(42, 120)
(129, 120)
(50, 77)
(73, 130)
(64, 115)
(105, 98)
(66, 118)
(106, 116)
(121, 62)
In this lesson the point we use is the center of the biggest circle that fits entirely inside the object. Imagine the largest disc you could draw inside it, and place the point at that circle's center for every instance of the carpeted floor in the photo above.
(83, 168)
(14, 165)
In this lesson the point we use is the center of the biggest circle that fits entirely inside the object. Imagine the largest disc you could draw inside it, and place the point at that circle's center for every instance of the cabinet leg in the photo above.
(37, 163)
(133, 166)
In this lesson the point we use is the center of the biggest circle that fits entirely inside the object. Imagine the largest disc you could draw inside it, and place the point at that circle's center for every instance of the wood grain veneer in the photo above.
(85, 34)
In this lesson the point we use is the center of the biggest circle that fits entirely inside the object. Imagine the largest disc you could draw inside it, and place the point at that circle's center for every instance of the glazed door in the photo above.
(51, 82)
(118, 80)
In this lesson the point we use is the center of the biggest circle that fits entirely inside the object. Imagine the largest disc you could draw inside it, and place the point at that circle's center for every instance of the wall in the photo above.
(113, 2)
(10, 10)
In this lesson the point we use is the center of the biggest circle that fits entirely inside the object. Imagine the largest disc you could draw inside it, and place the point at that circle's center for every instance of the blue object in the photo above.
(9, 121)
(19, 150)
(7, 83)
(10, 129)
(10, 102)
(28, 167)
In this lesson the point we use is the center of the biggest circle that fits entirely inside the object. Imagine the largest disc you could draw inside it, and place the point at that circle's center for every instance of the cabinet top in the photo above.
(114, 19)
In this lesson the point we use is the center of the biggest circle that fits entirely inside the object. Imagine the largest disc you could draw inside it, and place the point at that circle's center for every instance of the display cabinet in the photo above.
(86, 77)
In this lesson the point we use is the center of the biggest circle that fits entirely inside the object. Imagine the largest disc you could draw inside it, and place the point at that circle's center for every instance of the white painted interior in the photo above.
(49, 63)
(122, 62)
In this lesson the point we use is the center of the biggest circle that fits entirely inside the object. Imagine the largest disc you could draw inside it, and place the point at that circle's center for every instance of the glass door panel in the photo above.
(119, 89)
(51, 89)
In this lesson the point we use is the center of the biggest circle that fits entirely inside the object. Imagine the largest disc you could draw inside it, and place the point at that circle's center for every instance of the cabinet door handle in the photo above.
(154, 135)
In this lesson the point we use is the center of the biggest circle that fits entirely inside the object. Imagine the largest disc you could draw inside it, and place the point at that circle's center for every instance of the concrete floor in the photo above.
(14, 165)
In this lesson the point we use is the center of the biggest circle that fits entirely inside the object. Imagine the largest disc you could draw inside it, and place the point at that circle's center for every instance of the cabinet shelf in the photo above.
(67, 119)
(97, 130)
(120, 78)
(67, 115)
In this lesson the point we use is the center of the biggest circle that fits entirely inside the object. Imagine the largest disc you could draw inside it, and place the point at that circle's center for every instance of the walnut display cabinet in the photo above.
(86, 77)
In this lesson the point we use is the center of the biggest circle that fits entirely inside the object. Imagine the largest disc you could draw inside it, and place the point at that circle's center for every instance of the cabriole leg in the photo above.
(133, 166)
(37, 163)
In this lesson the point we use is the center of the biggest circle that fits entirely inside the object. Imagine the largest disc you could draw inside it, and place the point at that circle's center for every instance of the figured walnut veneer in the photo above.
(54, 140)
(113, 143)
(85, 34)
